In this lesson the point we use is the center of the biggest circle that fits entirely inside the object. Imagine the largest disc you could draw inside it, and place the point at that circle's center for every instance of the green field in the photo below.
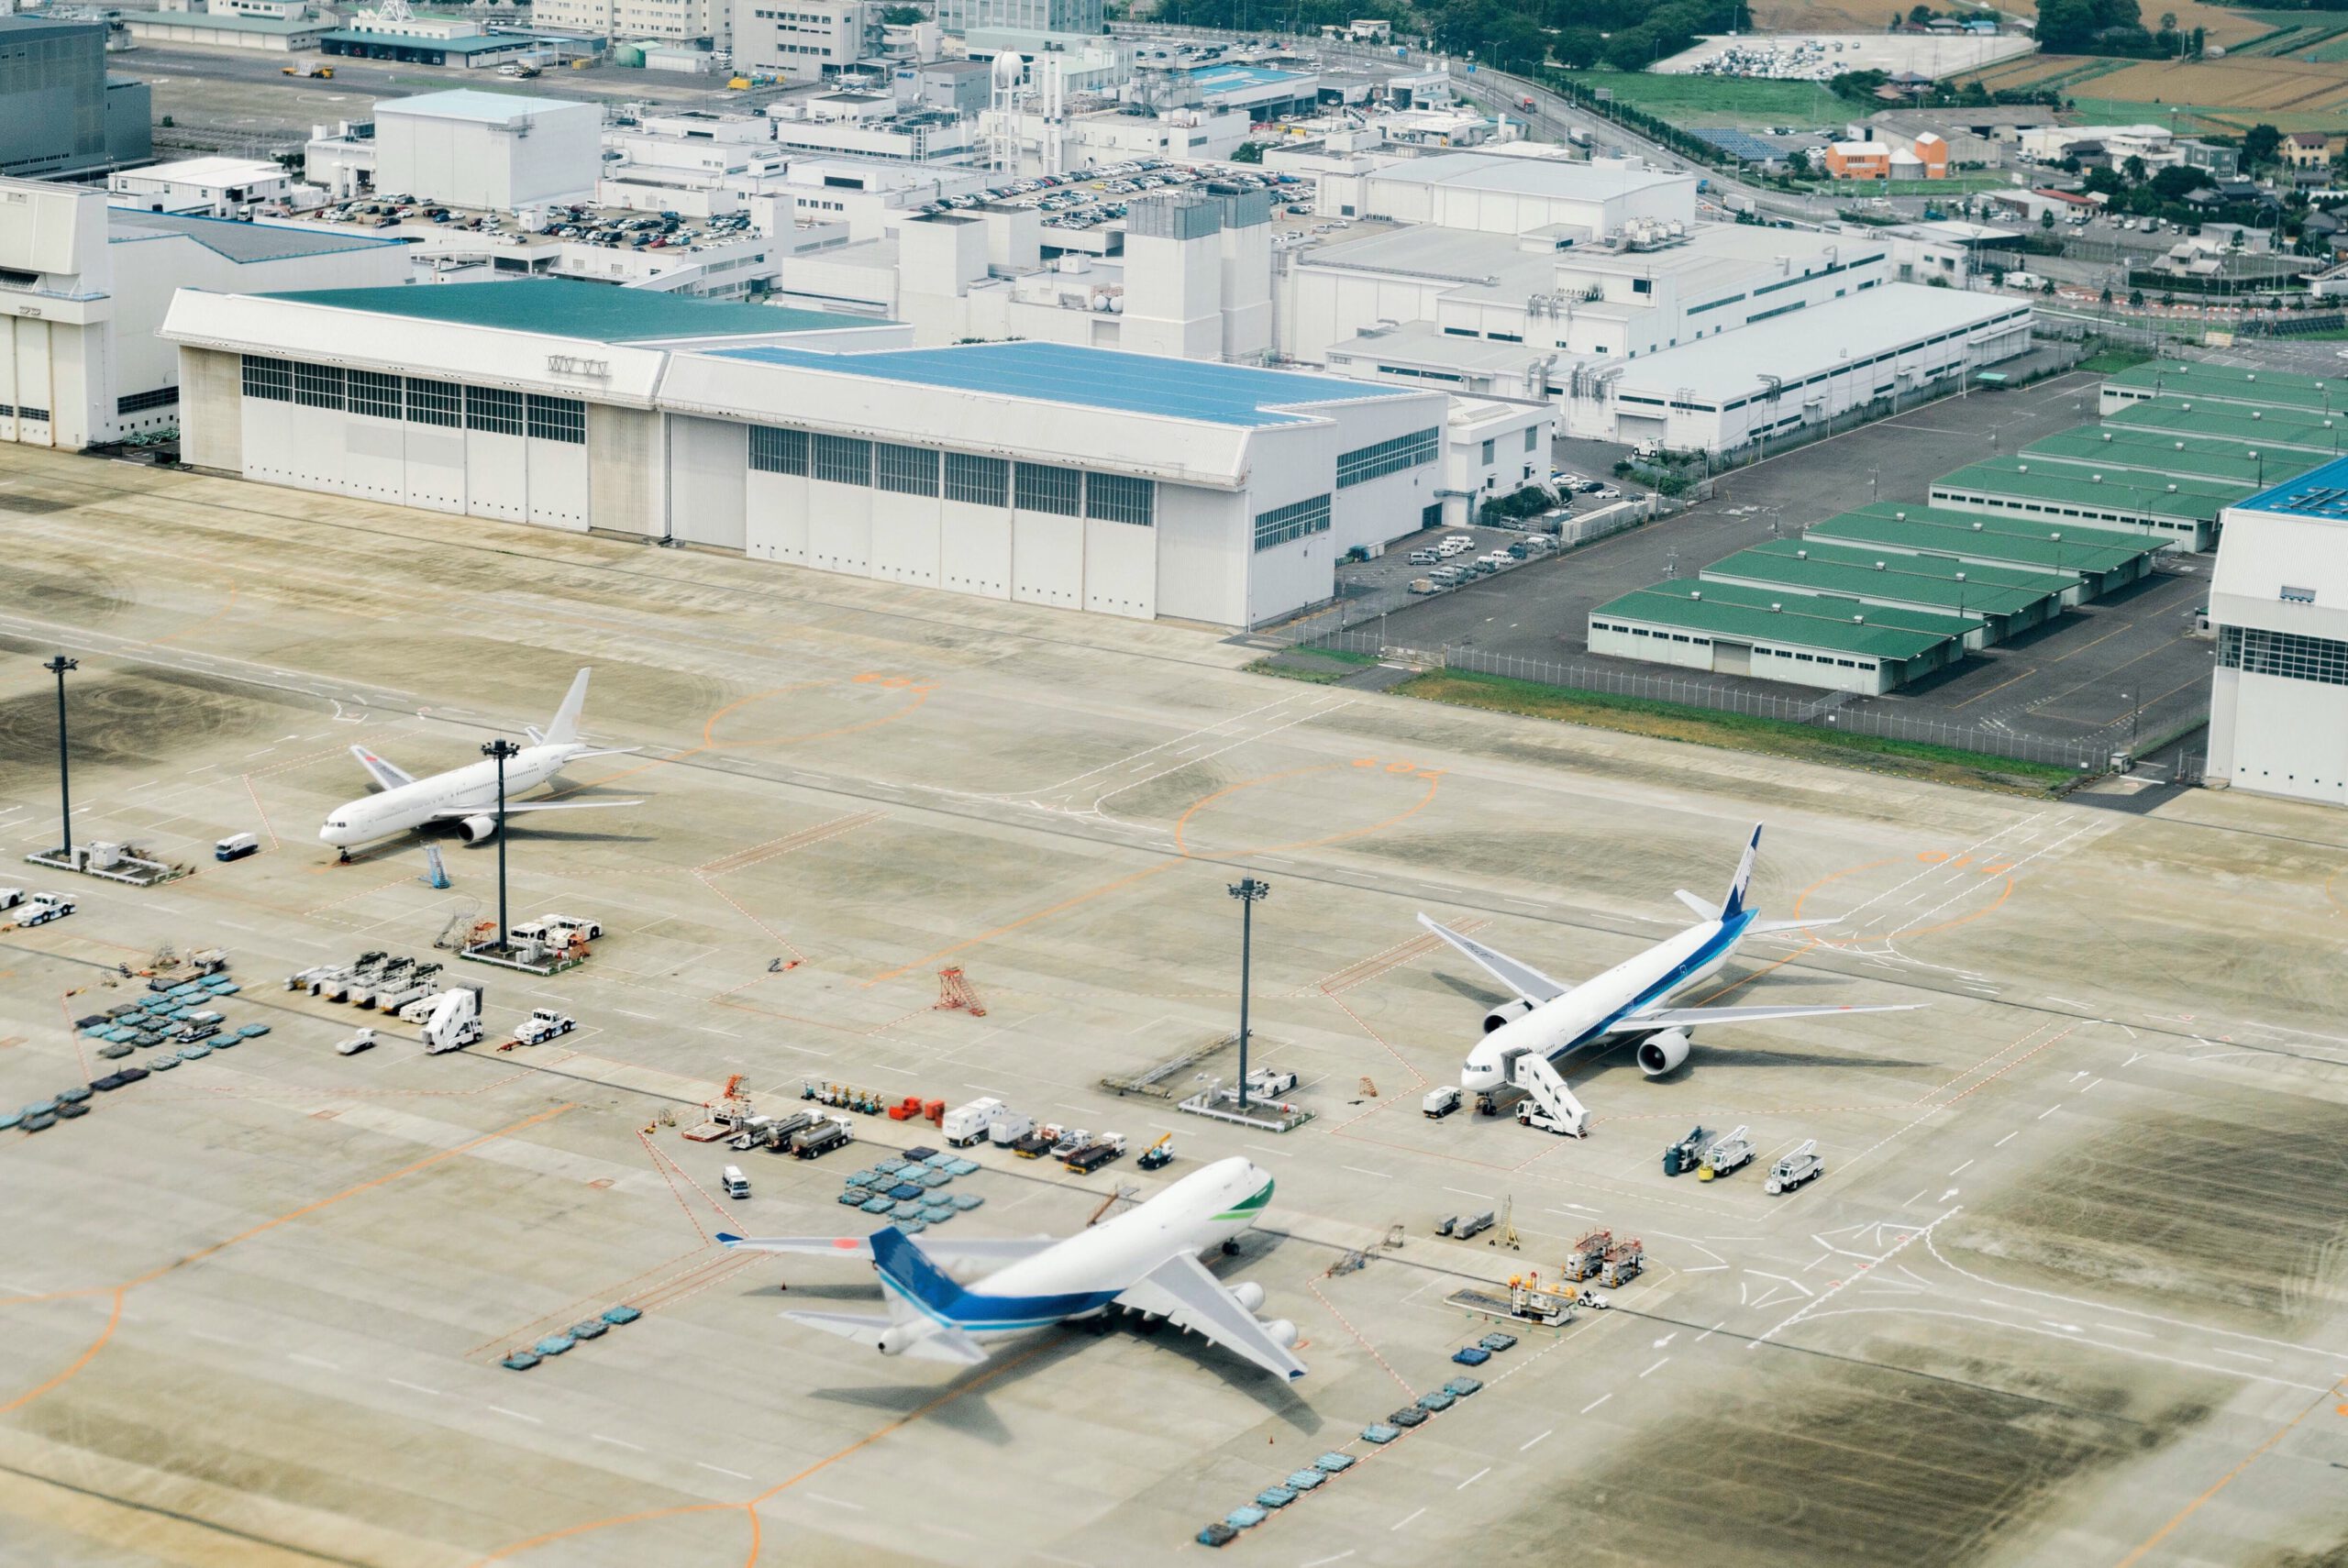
(2198, 119)
(1723, 102)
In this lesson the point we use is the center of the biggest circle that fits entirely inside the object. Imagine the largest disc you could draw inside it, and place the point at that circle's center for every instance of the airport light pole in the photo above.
(58, 667)
(1249, 892)
(500, 749)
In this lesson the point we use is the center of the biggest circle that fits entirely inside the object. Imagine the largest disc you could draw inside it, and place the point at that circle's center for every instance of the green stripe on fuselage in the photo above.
(1248, 1208)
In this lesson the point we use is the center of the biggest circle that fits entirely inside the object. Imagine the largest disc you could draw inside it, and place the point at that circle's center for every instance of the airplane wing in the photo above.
(385, 776)
(1690, 1017)
(1522, 978)
(941, 1343)
(1182, 1289)
(937, 1249)
(454, 813)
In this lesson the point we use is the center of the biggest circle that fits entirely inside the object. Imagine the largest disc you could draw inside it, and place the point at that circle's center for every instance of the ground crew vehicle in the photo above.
(815, 1143)
(973, 1124)
(236, 847)
(1441, 1102)
(1725, 1155)
(1158, 1154)
(1683, 1155)
(543, 1025)
(1797, 1169)
(736, 1184)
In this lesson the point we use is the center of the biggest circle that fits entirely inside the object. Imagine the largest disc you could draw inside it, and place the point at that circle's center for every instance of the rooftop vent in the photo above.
(1801, 554)
(1879, 566)
(2257, 413)
(2172, 490)
(1976, 527)
(1902, 516)
(2106, 435)
(1695, 594)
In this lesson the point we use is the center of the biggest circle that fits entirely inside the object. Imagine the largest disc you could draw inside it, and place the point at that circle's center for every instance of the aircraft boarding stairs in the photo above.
(1548, 1104)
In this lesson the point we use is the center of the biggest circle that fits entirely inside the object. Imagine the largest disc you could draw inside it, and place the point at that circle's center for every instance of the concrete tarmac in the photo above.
(2070, 1290)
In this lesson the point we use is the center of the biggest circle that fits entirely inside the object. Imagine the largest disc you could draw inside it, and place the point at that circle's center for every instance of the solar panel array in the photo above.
(1740, 144)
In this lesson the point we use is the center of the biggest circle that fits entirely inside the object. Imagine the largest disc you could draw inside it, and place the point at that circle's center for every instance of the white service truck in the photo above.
(543, 1025)
(976, 1122)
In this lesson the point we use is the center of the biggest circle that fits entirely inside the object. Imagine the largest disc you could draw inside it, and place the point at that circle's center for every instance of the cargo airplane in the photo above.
(1145, 1260)
(468, 795)
(1550, 1020)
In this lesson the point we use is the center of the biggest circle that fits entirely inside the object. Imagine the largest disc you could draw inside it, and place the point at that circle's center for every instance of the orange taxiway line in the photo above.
(2228, 1479)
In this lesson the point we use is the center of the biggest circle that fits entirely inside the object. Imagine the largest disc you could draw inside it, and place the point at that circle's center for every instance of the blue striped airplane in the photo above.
(1145, 1260)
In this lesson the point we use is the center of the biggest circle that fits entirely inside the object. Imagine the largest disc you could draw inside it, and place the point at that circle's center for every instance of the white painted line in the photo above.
(1323, 1562)
(1382, 1176)
(2083, 1087)
(2048, 1112)
(619, 1442)
(648, 1018)
(1465, 1193)
(311, 1361)
(838, 1502)
(418, 1387)
(1708, 1333)
(1593, 1405)
(1267, 1149)
(1522, 1446)
(1967, 1165)
(2244, 1356)
(707, 1029)
(705, 1465)
(516, 1414)
(1473, 1479)
(1406, 1519)
(2007, 1139)
(1652, 1368)
(1919, 1193)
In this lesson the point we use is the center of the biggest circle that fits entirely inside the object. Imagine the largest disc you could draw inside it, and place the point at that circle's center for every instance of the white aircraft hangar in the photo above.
(1120, 483)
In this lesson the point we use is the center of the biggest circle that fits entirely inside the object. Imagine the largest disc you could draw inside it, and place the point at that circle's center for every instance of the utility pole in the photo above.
(500, 748)
(58, 667)
(1249, 892)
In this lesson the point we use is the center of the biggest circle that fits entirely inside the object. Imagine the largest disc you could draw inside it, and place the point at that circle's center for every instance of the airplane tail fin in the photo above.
(564, 728)
(1734, 905)
(907, 1273)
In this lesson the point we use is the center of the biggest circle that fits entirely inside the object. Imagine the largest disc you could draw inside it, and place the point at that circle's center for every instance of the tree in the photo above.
(2168, 21)
(2046, 218)
(2133, 168)
(1918, 15)
(2048, 287)
(2107, 182)
(2136, 299)
(2107, 294)
(903, 16)
(1248, 152)
(2176, 184)
(2259, 144)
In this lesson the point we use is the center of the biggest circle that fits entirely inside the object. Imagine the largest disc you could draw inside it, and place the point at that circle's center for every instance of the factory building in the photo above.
(2005, 599)
(2223, 388)
(2250, 429)
(202, 187)
(2278, 598)
(1800, 639)
(1781, 376)
(84, 286)
(1040, 472)
(60, 113)
(1497, 193)
(1193, 280)
(492, 151)
(2184, 511)
(2099, 559)
(2090, 450)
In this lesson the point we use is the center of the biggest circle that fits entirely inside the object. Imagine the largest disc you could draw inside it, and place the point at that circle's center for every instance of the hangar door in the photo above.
(709, 465)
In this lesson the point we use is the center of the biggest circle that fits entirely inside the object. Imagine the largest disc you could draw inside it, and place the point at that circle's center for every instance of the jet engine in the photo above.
(1659, 1054)
(1249, 1293)
(1507, 1012)
(476, 829)
(1280, 1331)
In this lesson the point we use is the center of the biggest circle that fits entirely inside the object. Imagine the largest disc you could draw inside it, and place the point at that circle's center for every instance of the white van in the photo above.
(736, 1184)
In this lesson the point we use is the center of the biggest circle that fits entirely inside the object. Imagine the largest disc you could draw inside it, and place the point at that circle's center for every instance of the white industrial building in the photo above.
(1498, 193)
(1031, 471)
(495, 151)
(1780, 376)
(208, 187)
(1499, 274)
(2278, 598)
(1193, 280)
(83, 288)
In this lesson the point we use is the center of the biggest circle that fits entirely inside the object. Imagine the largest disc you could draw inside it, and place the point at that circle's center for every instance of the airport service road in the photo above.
(2072, 1275)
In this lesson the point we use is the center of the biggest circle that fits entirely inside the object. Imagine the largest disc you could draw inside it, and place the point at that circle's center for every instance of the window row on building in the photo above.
(1388, 456)
(1701, 642)
(9, 411)
(492, 410)
(2054, 509)
(2286, 654)
(957, 476)
(1283, 525)
(138, 403)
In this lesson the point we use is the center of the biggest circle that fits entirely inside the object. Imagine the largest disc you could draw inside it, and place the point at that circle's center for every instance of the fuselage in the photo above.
(472, 787)
(1590, 1011)
(1082, 1275)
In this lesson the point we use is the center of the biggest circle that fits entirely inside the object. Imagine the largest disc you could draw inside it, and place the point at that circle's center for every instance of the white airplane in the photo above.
(1145, 1260)
(1551, 1020)
(467, 796)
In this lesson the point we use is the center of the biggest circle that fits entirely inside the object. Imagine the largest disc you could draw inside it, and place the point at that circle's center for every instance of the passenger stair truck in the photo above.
(454, 1021)
(1548, 1104)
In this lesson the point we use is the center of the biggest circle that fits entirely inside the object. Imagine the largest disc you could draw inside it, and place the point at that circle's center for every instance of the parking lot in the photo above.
(2122, 667)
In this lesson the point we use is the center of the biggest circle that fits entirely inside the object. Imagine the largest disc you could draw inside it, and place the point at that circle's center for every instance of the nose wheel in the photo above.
(342, 857)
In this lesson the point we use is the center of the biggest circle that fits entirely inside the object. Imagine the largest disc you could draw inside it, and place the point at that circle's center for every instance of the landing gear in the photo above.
(342, 857)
